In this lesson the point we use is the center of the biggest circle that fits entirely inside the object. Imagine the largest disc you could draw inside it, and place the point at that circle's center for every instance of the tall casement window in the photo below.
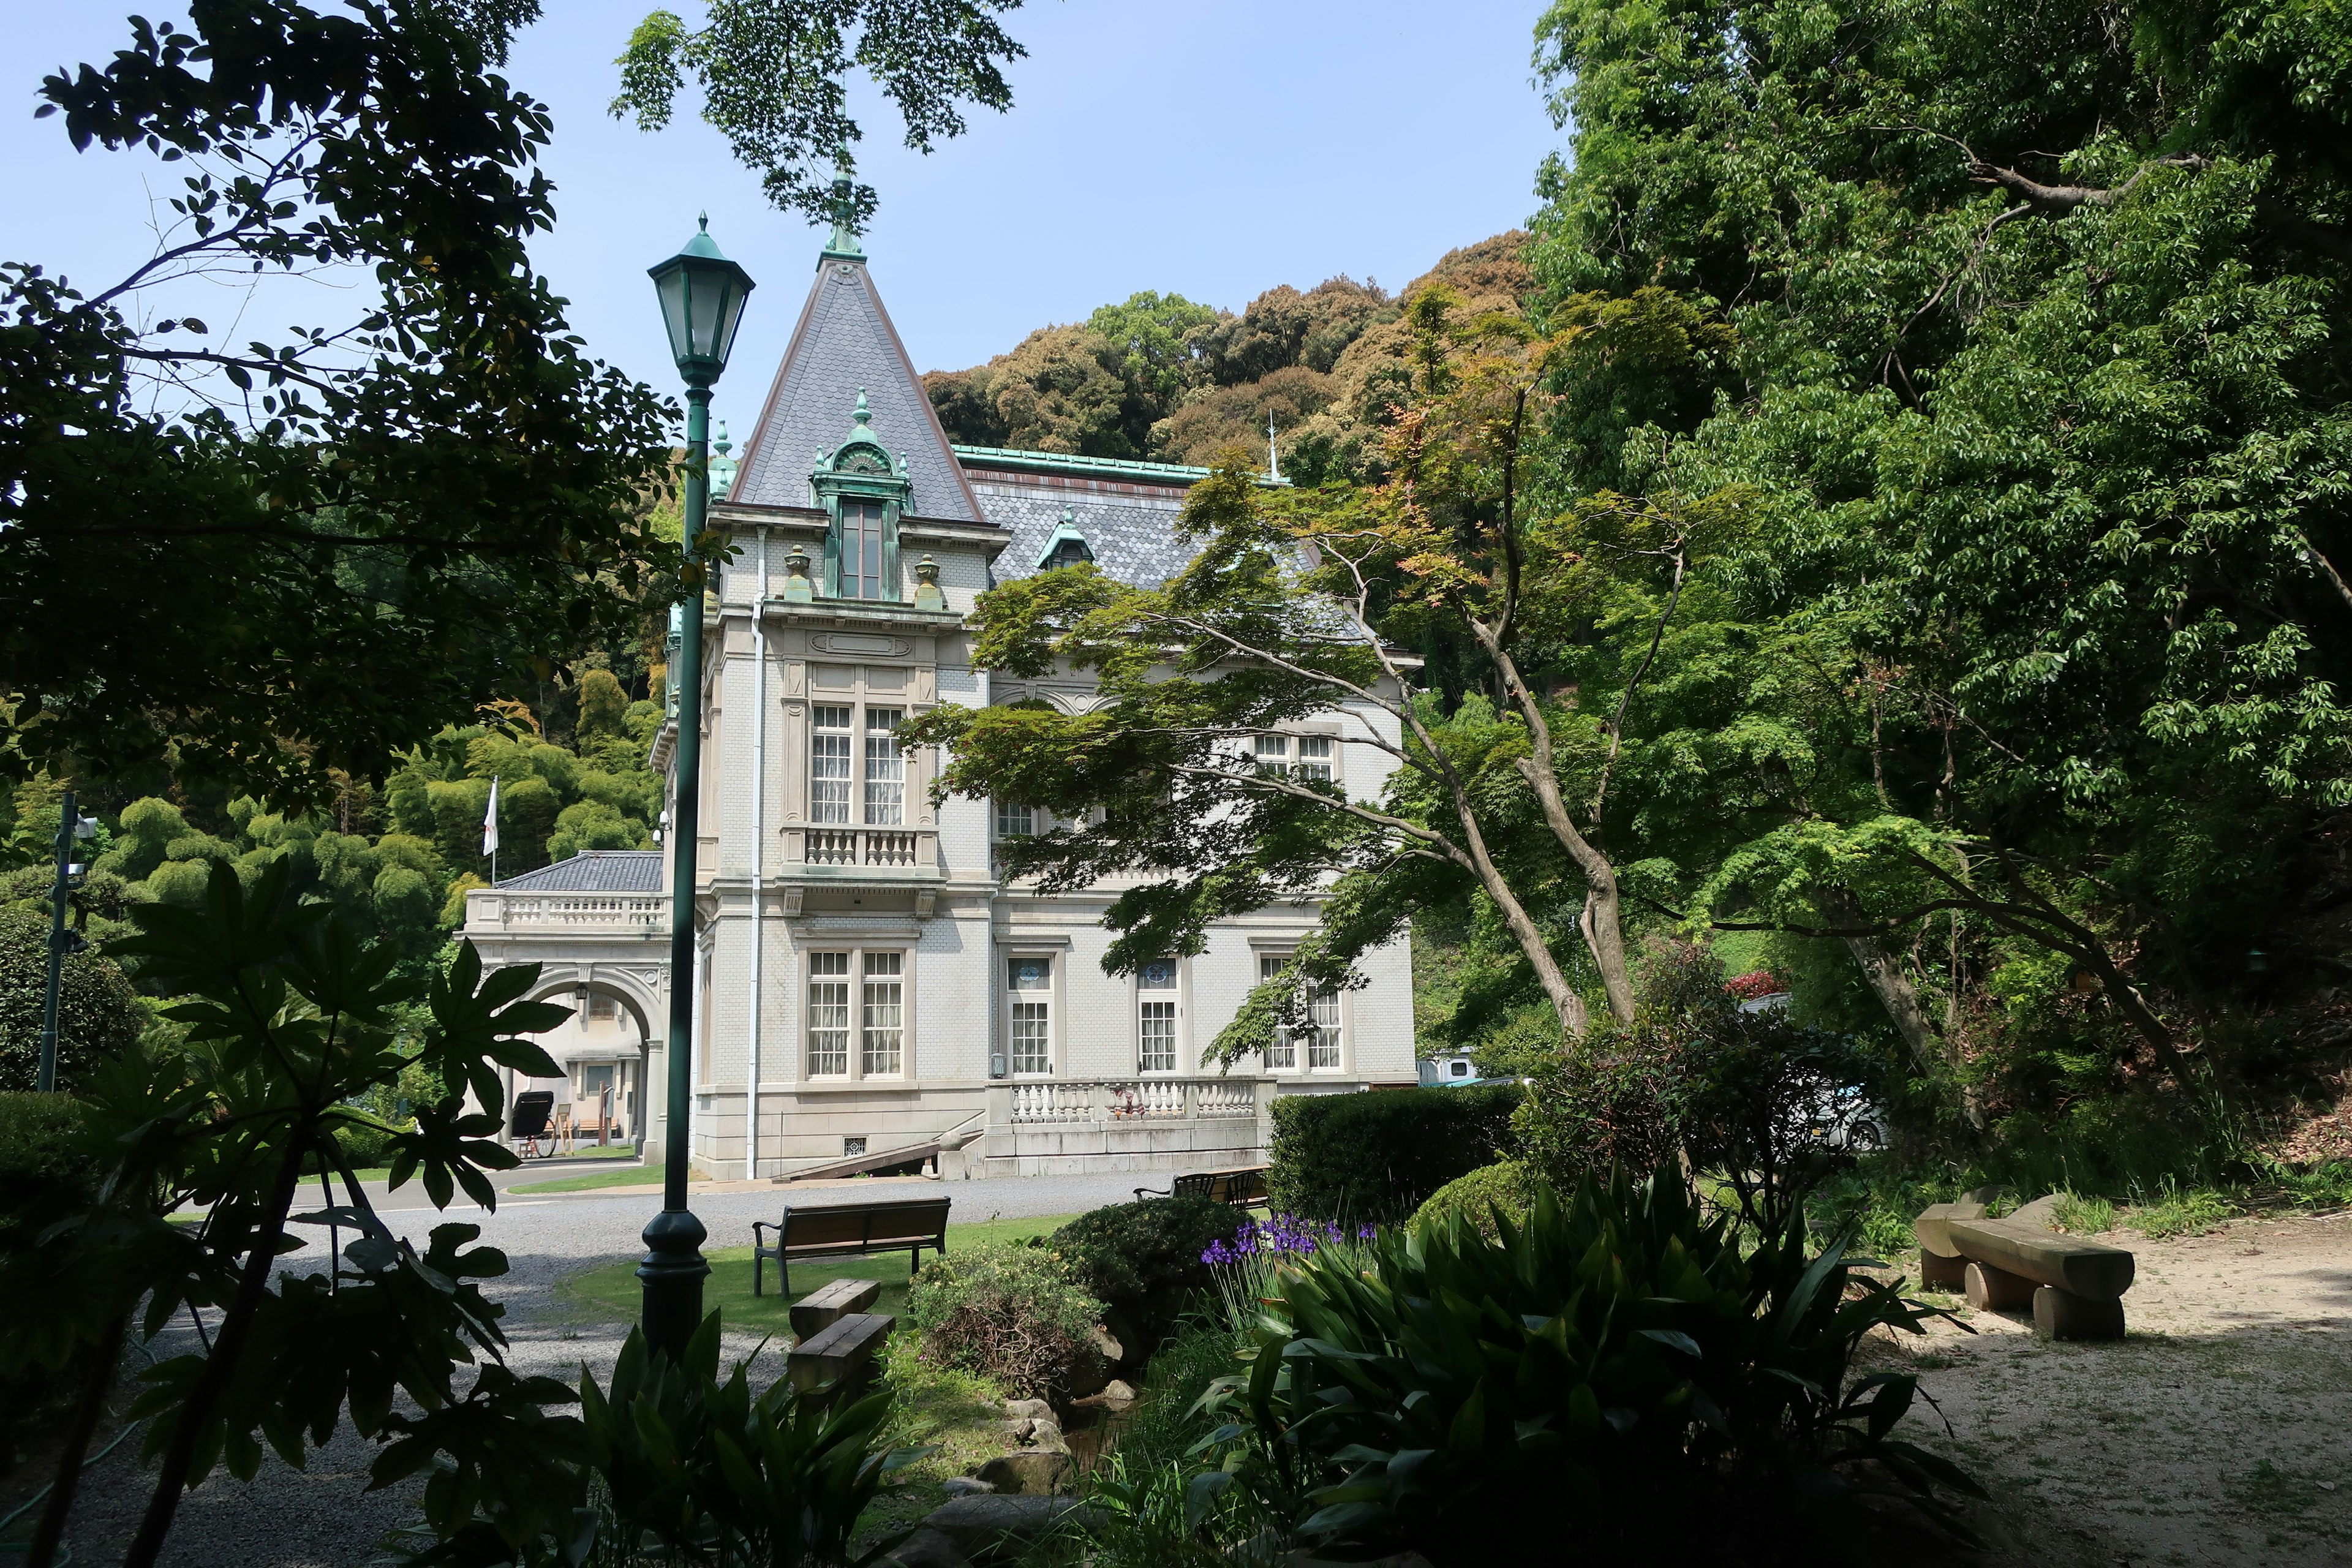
(861, 553)
(1030, 980)
(883, 1016)
(1321, 1037)
(863, 485)
(857, 1014)
(864, 798)
(1155, 1020)
(1283, 1055)
(829, 1014)
(829, 764)
(886, 769)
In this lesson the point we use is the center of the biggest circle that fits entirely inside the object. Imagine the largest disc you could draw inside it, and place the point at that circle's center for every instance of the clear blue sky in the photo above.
(1213, 148)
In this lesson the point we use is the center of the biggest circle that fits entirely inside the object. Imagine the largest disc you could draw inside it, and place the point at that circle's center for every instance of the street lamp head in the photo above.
(702, 296)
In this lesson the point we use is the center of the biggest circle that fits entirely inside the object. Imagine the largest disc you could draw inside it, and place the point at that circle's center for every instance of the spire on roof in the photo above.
(843, 246)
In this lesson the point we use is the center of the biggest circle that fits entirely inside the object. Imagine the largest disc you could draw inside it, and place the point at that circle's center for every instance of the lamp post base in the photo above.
(672, 1272)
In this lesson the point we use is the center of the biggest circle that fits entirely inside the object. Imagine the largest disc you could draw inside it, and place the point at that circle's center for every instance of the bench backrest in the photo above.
(867, 1225)
(1221, 1186)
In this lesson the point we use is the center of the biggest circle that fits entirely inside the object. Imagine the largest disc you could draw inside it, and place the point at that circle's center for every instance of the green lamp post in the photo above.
(702, 296)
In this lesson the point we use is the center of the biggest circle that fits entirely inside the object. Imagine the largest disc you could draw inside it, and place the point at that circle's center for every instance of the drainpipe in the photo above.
(995, 960)
(759, 852)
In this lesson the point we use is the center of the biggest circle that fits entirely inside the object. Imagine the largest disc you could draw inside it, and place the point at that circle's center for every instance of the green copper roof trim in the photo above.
(1088, 468)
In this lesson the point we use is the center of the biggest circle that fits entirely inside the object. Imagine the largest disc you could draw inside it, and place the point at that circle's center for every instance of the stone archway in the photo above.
(636, 1103)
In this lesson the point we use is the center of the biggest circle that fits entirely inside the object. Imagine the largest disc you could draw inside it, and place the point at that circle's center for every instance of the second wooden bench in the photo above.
(2074, 1287)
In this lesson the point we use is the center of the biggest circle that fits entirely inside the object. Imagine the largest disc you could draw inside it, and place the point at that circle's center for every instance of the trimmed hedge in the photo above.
(1379, 1155)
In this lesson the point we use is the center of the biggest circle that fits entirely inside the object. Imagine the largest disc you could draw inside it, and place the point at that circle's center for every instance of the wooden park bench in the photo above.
(838, 1359)
(850, 1230)
(2074, 1287)
(1243, 1187)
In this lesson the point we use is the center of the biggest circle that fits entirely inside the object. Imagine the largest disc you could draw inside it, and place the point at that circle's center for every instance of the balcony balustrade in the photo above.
(878, 853)
(1120, 1102)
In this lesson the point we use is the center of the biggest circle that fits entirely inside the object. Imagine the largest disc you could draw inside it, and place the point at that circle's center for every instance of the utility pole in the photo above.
(70, 826)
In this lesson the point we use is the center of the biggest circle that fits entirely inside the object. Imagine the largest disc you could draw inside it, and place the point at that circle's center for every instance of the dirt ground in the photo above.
(2219, 1431)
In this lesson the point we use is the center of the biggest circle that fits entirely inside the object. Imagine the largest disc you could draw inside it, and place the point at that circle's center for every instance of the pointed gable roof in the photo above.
(845, 344)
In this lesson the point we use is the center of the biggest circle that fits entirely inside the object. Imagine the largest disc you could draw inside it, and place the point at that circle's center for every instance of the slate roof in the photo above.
(593, 871)
(845, 341)
(1131, 530)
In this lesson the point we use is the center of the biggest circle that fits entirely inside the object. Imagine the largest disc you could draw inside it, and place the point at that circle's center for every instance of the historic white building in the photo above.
(868, 986)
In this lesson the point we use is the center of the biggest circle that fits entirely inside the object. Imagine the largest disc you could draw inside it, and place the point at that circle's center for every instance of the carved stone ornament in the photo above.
(865, 643)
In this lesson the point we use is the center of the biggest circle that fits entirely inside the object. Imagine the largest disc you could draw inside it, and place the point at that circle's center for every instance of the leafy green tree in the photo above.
(388, 515)
(2042, 370)
(1157, 337)
(772, 72)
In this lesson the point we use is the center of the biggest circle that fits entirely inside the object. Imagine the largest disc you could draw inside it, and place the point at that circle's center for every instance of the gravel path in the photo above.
(324, 1518)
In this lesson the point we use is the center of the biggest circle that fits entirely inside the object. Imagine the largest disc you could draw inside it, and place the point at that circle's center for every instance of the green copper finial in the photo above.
(864, 416)
(843, 244)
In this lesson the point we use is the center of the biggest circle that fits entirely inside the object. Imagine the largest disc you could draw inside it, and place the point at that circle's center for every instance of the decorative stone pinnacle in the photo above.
(928, 593)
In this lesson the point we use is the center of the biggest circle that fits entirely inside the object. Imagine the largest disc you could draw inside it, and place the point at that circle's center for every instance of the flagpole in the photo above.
(490, 829)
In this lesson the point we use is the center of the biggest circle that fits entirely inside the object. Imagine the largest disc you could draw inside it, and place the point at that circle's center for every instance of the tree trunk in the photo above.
(86, 1412)
(1601, 922)
(1887, 981)
(227, 1345)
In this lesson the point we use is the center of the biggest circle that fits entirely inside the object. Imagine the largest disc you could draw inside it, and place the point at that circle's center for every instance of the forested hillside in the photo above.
(1883, 523)
(1165, 378)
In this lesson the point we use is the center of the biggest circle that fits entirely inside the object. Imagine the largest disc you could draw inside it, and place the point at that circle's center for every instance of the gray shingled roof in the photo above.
(845, 341)
(1133, 536)
(593, 871)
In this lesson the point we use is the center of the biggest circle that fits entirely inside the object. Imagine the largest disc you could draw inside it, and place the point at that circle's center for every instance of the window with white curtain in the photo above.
(1283, 1055)
(886, 769)
(829, 764)
(884, 1016)
(829, 1014)
(1155, 1023)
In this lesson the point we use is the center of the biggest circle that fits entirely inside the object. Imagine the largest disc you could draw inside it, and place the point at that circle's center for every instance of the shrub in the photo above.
(39, 1146)
(1007, 1312)
(1749, 1097)
(1142, 1259)
(99, 1016)
(1618, 1361)
(1377, 1156)
(1508, 1186)
(673, 1465)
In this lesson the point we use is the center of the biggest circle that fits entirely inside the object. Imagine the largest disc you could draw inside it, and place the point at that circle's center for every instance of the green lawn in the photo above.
(588, 1181)
(613, 1292)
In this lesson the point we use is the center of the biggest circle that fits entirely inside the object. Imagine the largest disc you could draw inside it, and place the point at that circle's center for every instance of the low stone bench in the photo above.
(821, 1309)
(839, 1358)
(2074, 1287)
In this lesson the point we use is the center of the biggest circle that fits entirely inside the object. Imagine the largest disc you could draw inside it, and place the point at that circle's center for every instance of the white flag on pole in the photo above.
(490, 822)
